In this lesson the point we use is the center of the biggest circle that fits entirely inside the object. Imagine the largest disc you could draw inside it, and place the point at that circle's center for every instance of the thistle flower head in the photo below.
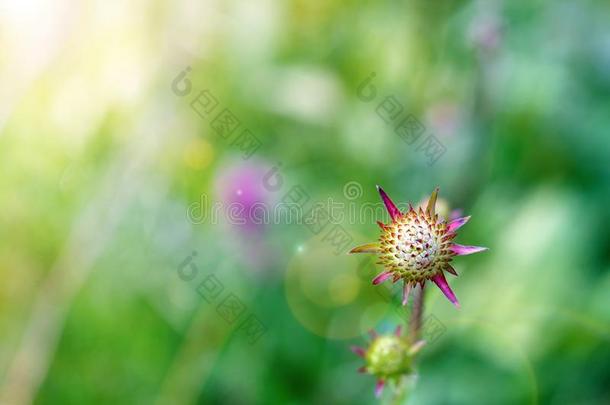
(388, 357)
(417, 246)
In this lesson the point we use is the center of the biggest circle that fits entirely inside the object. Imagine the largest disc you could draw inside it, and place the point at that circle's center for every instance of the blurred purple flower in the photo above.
(244, 202)
(241, 186)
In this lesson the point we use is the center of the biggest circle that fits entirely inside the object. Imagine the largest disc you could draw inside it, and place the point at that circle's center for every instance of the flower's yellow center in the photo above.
(416, 245)
(413, 247)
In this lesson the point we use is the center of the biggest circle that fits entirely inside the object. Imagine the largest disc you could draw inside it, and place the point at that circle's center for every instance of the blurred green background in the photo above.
(117, 287)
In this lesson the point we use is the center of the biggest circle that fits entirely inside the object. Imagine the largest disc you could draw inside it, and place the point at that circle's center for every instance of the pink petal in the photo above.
(379, 388)
(381, 225)
(441, 282)
(406, 289)
(392, 210)
(358, 351)
(398, 330)
(456, 224)
(462, 250)
(381, 277)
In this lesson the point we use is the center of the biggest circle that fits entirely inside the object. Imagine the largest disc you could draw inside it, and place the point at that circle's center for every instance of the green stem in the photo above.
(401, 390)
(416, 316)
